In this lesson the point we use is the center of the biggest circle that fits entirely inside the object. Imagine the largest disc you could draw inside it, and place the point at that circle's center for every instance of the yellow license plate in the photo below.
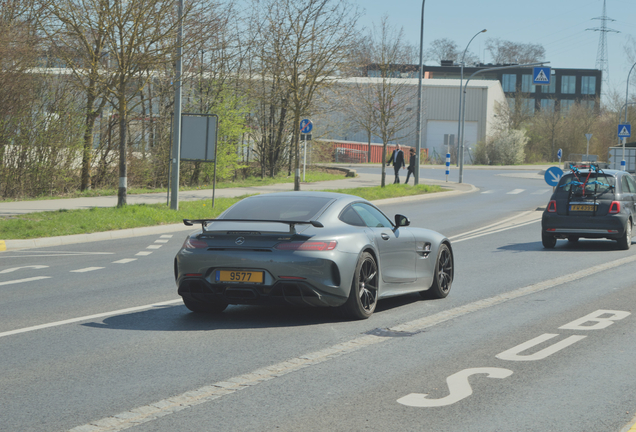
(582, 207)
(239, 276)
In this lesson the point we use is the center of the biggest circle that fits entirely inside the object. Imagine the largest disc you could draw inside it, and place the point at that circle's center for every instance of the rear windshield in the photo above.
(286, 208)
(594, 184)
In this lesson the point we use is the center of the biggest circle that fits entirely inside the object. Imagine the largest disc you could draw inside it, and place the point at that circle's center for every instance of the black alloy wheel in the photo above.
(549, 241)
(444, 273)
(363, 296)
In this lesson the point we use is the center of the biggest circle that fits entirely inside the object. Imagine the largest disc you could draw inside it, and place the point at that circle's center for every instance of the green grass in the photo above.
(99, 219)
(311, 176)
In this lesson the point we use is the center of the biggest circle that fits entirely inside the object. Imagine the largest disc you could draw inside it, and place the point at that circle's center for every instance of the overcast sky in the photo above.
(560, 26)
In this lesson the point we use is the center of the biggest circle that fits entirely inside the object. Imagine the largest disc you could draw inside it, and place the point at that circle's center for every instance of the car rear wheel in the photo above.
(443, 277)
(363, 296)
(626, 241)
(204, 307)
(549, 241)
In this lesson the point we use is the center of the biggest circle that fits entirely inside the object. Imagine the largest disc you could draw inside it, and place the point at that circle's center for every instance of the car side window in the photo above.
(371, 216)
(631, 183)
(351, 217)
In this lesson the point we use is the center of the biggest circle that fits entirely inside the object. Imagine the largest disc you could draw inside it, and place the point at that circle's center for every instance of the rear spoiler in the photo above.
(292, 224)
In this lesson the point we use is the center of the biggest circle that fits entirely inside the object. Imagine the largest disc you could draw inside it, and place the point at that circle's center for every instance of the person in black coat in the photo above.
(411, 168)
(397, 159)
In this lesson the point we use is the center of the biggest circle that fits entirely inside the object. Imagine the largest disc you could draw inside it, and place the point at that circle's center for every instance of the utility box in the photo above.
(616, 156)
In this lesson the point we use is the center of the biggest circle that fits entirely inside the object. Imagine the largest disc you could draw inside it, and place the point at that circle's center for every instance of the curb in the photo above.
(6, 245)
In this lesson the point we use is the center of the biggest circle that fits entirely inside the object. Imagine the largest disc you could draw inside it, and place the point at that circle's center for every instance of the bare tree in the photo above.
(382, 105)
(507, 52)
(306, 42)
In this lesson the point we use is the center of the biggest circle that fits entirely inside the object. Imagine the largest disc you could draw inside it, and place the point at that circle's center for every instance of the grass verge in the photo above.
(99, 219)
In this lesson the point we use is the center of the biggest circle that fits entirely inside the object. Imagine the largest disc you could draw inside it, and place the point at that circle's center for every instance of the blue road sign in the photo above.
(541, 75)
(560, 154)
(553, 175)
(624, 130)
(306, 126)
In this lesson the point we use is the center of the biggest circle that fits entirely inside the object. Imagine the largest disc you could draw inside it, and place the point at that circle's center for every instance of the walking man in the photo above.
(397, 159)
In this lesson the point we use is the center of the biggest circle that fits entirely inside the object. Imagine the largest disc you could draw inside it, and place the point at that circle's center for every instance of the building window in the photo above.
(511, 104)
(566, 105)
(509, 82)
(568, 84)
(588, 104)
(547, 105)
(550, 88)
(527, 105)
(588, 85)
(374, 74)
(526, 84)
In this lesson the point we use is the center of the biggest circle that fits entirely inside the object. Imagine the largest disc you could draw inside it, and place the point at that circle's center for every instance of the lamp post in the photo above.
(418, 127)
(627, 90)
(176, 141)
(461, 79)
(461, 159)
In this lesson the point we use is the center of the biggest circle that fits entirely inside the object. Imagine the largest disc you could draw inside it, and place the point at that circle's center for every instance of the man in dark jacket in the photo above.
(397, 159)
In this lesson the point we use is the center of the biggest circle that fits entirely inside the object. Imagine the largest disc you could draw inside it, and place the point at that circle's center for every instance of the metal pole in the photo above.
(418, 131)
(461, 165)
(627, 90)
(461, 79)
(176, 142)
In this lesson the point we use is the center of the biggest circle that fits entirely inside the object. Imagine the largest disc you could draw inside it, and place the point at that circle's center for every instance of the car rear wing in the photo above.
(292, 224)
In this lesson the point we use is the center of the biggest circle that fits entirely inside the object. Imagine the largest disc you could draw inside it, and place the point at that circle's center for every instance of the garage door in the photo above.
(435, 131)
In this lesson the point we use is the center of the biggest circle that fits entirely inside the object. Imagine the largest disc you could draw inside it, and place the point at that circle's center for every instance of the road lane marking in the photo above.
(143, 253)
(88, 318)
(515, 191)
(153, 411)
(36, 267)
(125, 261)
(154, 246)
(25, 280)
(162, 241)
(168, 236)
(522, 219)
(87, 269)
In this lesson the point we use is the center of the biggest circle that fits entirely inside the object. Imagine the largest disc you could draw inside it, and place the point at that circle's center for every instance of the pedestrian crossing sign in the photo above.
(624, 130)
(541, 75)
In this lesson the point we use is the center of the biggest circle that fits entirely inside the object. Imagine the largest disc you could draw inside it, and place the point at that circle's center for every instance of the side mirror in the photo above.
(401, 221)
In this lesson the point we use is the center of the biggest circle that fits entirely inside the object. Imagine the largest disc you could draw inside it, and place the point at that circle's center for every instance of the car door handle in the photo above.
(385, 236)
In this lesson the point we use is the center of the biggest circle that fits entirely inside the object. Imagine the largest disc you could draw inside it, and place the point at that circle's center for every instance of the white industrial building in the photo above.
(440, 114)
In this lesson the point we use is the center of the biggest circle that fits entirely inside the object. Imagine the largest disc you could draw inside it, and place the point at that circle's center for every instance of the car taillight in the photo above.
(192, 243)
(615, 207)
(307, 246)
(552, 206)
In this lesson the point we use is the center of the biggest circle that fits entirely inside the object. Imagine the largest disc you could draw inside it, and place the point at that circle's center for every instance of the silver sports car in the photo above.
(313, 249)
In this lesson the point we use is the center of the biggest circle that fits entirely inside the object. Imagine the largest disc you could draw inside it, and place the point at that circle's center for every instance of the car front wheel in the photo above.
(443, 277)
(363, 296)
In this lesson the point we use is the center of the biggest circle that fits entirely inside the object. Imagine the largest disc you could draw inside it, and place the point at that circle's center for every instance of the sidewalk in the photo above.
(361, 180)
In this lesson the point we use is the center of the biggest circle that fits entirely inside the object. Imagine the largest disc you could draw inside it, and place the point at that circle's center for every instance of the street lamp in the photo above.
(418, 131)
(461, 158)
(461, 78)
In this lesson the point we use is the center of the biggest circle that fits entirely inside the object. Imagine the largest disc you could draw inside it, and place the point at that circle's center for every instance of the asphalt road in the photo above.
(95, 338)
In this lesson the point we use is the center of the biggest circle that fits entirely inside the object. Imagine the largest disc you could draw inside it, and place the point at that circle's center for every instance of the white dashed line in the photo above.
(166, 236)
(125, 261)
(515, 191)
(25, 280)
(154, 247)
(142, 253)
(162, 241)
(87, 269)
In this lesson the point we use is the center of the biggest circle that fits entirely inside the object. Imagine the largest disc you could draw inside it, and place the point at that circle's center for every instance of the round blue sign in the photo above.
(553, 175)
(306, 126)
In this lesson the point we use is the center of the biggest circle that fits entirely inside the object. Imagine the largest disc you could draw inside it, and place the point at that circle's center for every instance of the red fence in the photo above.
(354, 152)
